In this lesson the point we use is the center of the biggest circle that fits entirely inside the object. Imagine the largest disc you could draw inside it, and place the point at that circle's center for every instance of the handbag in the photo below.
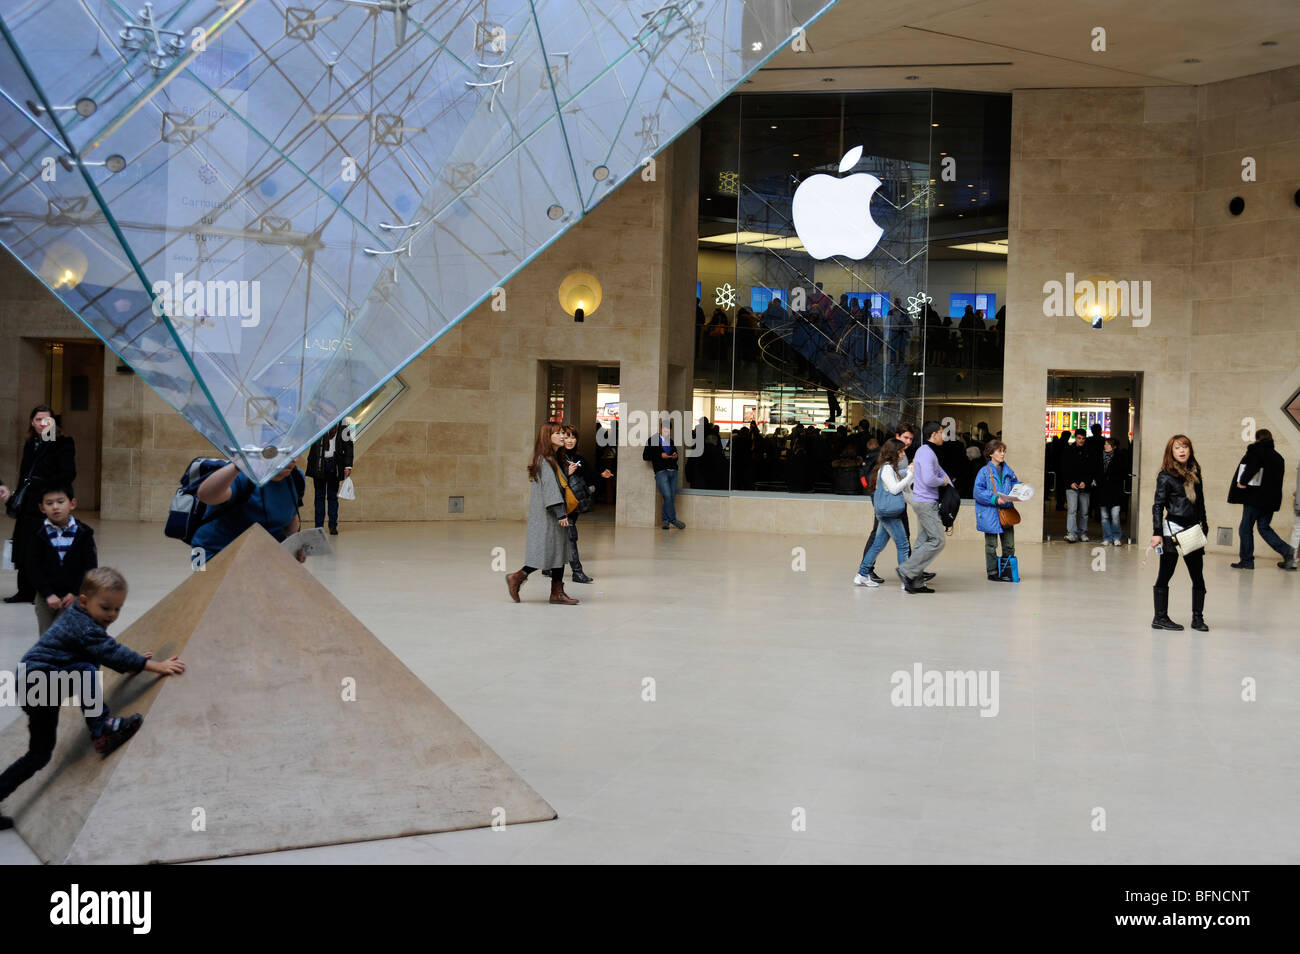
(887, 504)
(1189, 540)
(1007, 516)
(14, 504)
(346, 490)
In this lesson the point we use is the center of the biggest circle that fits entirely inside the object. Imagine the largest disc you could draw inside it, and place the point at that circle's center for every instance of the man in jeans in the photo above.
(928, 477)
(1079, 476)
(1257, 486)
(663, 455)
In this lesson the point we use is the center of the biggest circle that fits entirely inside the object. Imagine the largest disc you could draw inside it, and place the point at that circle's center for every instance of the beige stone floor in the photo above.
(773, 694)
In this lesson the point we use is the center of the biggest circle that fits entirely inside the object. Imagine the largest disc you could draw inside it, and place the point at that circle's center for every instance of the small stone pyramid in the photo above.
(256, 744)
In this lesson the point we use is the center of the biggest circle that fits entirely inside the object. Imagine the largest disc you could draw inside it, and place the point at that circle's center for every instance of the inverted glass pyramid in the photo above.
(268, 207)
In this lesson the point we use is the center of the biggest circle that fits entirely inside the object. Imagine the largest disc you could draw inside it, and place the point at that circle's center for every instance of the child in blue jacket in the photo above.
(78, 643)
(992, 485)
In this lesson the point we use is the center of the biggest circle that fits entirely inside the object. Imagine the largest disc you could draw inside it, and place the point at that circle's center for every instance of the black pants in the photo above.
(574, 561)
(327, 489)
(42, 728)
(25, 527)
(1195, 563)
(875, 525)
(556, 573)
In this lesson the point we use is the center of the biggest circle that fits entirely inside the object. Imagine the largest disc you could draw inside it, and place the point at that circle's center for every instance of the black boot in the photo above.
(578, 575)
(1198, 610)
(1162, 620)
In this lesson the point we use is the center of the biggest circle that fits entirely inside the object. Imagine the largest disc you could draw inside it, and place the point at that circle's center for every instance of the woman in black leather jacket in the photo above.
(1179, 504)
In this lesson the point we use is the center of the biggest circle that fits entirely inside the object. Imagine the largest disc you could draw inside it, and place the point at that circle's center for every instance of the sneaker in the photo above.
(679, 525)
(876, 580)
(116, 731)
(926, 577)
(1071, 538)
(664, 525)
(1084, 538)
(1242, 566)
(860, 580)
(334, 531)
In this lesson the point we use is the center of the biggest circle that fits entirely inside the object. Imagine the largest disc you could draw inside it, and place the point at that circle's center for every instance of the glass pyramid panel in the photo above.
(269, 207)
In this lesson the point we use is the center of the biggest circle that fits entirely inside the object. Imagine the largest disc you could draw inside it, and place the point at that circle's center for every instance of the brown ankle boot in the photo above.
(559, 596)
(514, 581)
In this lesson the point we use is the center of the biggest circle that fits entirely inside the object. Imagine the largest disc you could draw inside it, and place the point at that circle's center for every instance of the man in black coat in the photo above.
(328, 463)
(1257, 486)
(1079, 476)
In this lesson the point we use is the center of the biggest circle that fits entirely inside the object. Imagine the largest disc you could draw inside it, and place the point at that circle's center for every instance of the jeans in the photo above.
(1250, 517)
(42, 726)
(875, 525)
(575, 561)
(327, 489)
(1295, 535)
(1076, 521)
(930, 539)
(1008, 538)
(666, 481)
(1110, 525)
(888, 527)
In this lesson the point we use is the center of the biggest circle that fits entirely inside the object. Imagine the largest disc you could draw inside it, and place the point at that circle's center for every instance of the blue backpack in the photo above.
(187, 512)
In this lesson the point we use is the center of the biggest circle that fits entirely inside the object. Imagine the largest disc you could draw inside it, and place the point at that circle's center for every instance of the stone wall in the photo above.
(1134, 184)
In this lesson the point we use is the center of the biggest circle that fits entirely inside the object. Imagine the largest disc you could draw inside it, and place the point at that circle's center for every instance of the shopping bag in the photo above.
(9, 556)
(346, 490)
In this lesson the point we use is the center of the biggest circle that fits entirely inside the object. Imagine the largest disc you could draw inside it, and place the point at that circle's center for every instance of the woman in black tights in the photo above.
(1179, 504)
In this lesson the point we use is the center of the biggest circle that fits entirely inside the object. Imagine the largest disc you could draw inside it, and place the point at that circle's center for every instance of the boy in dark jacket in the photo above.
(58, 556)
(76, 646)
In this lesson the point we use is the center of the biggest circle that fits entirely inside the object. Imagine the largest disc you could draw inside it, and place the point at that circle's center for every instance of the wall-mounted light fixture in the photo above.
(579, 294)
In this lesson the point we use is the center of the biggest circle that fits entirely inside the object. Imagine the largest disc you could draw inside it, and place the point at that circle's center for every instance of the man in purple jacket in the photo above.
(928, 478)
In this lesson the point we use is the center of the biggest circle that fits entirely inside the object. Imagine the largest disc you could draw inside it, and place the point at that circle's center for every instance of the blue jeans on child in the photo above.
(1110, 525)
(889, 527)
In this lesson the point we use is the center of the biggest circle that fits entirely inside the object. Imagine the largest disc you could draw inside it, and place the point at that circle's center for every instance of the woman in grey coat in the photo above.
(547, 543)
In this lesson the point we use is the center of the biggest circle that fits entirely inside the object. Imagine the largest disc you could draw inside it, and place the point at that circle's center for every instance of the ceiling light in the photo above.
(933, 125)
(795, 154)
(771, 127)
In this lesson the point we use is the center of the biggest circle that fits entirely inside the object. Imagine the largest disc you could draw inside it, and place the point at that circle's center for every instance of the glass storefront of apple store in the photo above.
(852, 267)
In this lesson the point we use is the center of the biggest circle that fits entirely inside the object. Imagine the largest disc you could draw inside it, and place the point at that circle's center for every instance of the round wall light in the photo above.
(1237, 205)
(579, 294)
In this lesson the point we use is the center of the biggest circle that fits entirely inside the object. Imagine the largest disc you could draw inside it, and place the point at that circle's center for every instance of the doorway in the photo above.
(586, 395)
(68, 375)
(1088, 400)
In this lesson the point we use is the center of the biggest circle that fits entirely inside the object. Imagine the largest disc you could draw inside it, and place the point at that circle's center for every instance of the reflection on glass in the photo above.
(805, 363)
(217, 189)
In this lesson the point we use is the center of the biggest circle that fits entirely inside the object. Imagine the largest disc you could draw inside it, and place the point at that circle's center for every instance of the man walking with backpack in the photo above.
(928, 478)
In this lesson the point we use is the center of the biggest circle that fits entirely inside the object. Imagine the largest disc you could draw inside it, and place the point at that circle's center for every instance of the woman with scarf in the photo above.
(1179, 505)
(547, 543)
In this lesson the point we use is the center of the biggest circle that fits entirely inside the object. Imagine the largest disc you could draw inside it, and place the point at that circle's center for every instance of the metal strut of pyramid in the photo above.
(258, 747)
(268, 207)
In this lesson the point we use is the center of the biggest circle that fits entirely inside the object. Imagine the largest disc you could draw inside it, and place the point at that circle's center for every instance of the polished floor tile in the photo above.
(710, 703)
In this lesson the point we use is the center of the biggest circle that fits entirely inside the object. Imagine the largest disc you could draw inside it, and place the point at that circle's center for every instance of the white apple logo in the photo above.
(833, 216)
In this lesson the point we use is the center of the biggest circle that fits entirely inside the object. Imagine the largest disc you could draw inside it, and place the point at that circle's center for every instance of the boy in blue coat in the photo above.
(992, 485)
(78, 644)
